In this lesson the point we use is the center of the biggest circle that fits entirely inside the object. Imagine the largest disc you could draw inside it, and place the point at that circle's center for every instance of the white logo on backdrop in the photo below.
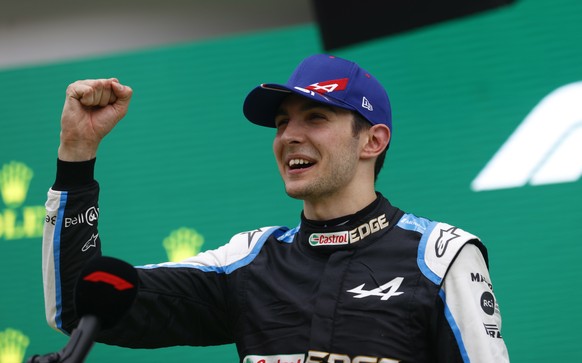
(545, 149)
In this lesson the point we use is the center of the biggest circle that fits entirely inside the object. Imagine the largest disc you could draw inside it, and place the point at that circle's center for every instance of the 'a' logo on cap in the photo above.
(329, 86)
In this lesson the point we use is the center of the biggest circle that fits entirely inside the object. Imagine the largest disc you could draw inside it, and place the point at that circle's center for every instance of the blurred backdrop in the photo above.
(487, 136)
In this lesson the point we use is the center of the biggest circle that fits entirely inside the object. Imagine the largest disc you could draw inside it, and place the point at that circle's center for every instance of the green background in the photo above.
(184, 156)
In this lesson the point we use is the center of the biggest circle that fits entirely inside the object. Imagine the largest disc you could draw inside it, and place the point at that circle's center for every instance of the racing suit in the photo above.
(377, 286)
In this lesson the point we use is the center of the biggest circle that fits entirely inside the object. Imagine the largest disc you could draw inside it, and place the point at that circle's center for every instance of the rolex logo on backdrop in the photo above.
(13, 344)
(17, 219)
(15, 179)
(183, 243)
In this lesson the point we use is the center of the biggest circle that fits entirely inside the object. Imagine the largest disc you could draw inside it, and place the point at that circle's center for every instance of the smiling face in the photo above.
(316, 151)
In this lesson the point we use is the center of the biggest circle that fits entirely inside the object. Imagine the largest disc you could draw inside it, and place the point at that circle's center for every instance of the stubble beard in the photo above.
(331, 181)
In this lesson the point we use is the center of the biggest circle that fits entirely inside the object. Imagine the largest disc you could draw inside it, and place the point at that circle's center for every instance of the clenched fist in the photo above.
(92, 109)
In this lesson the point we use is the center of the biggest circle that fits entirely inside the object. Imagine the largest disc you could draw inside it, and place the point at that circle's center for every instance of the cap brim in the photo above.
(261, 104)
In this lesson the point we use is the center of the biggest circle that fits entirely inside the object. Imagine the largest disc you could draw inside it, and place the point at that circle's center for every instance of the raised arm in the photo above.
(92, 109)
(175, 305)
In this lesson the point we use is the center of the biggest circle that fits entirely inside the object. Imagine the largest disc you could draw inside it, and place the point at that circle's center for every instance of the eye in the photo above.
(280, 122)
(314, 116)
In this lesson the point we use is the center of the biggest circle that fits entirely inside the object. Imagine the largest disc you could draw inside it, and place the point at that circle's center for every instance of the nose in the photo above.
(292, 132)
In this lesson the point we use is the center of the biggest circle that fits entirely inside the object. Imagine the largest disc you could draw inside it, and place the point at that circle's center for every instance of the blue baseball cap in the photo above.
(326, 79)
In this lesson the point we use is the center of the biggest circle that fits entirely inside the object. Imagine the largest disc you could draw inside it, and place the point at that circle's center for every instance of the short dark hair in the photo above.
(360, 124)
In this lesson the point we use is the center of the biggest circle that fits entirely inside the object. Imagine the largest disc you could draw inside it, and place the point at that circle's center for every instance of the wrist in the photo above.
(74, 175)
(76, 153)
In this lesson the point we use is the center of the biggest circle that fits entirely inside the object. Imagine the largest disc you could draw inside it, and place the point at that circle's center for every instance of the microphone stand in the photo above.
(79, 344)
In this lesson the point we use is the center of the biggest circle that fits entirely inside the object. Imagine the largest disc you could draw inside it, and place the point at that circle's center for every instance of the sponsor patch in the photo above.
(488, 303)
(90, 216)
(329, 239)
(346, 237)
(326, 357)
(477, 277)
(492, 330)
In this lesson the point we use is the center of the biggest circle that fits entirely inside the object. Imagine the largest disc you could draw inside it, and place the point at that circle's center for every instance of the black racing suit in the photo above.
(377, 286)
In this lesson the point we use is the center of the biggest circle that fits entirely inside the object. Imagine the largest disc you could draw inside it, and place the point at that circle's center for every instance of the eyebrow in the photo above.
(310, 105)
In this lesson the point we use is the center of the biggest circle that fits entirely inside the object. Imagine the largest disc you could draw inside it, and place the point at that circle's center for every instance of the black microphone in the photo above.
(106, 289)
(104, 292)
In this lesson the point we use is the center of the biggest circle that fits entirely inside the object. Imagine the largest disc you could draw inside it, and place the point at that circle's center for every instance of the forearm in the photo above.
(70, 238)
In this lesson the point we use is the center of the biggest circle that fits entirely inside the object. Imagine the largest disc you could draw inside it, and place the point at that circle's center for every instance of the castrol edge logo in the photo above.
(346, 237)
(326, 239)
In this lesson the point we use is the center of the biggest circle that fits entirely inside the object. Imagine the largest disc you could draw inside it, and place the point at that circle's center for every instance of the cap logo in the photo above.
(366, 104)
(304, 90)
(329, 86)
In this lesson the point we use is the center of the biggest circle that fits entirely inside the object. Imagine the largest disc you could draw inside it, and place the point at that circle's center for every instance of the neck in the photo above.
(331, 207)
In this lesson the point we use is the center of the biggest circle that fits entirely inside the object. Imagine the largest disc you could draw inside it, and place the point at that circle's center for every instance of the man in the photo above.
(357, 281)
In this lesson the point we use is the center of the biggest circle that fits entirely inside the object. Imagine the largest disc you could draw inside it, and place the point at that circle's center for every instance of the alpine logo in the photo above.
(329, 86)
(384, 292)
(545, 149)
(446, 236)
(366, 104)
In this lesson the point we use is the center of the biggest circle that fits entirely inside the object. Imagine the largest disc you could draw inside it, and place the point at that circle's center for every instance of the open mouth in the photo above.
(296, 164)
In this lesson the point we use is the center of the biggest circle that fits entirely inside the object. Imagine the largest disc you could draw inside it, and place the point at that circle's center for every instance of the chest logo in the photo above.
(384, 292)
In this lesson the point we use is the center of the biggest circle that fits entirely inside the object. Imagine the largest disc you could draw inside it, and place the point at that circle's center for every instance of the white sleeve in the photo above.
(238, 252)
(472, 307)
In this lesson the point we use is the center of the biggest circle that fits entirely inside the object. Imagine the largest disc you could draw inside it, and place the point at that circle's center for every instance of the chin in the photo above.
(296, 192)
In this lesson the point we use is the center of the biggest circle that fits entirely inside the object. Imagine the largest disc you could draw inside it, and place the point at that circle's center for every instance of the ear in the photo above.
(378, 137)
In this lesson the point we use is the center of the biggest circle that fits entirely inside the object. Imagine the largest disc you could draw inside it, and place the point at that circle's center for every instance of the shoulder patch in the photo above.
(438, 247)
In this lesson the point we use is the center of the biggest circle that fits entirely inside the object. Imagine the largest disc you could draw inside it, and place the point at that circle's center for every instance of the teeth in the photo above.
(294, 162)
